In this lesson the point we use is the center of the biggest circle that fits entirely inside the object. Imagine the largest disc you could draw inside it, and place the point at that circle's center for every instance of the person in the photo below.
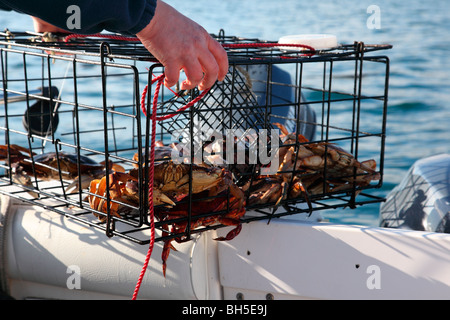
(172, 38)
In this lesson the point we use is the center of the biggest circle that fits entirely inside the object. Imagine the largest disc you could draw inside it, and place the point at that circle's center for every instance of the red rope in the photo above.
(160, 80)
(265, 45)
(154, 118)
(168, 116)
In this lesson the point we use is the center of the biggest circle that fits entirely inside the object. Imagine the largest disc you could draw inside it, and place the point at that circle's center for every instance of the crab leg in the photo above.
(233, 233)
(165, 253)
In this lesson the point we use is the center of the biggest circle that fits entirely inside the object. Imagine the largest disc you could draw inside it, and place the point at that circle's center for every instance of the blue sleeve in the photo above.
(123, 16)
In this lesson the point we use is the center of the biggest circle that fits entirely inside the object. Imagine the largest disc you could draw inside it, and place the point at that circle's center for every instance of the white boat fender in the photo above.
(5, 214)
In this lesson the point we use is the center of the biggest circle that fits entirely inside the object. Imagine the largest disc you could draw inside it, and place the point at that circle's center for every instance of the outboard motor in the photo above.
(422, 200)
(282, 92)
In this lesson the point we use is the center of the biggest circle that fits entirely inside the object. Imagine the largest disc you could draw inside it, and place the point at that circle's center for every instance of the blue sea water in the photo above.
(419, 90)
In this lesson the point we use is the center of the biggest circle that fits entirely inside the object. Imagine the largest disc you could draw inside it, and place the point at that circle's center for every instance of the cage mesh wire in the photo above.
(76, 107)
(231, 104)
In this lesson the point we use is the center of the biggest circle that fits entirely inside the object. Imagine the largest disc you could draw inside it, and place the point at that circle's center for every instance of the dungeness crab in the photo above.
(174, 196)
(51, 165)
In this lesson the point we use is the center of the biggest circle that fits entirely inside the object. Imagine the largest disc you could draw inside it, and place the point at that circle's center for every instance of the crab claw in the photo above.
(160, 198)
(132, 188)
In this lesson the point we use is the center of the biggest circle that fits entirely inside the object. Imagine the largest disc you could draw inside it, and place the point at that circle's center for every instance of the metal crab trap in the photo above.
(289, 131)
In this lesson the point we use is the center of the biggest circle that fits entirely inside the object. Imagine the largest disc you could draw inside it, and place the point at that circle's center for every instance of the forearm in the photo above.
(125, 16)
(175, 40)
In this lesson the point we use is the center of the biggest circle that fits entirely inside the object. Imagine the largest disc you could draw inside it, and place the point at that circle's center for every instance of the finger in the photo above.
(211, 70)
(171, 74)
(194, 74)
(221, 58)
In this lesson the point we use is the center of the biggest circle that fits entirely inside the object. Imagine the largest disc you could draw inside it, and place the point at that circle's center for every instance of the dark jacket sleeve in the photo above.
(123, 16)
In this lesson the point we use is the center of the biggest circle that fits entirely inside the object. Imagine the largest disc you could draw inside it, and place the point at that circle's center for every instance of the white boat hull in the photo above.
(48, 256)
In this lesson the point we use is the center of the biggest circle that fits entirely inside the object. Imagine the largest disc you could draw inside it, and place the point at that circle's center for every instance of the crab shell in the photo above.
(49, 165)
(172, 182)
(175, 178)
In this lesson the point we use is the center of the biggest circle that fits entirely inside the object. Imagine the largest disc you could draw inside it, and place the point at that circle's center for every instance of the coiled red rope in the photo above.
(159, 79)
(168, 116)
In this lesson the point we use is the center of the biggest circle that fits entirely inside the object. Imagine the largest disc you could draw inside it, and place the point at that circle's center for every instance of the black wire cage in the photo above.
(289, 131)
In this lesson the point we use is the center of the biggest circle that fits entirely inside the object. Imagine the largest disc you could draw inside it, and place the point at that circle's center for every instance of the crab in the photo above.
(316, 156)
(215, 198)
(223, 204)
(52, 165)
(308, 168)
(123, 191)
(162, 153)
(262, 190)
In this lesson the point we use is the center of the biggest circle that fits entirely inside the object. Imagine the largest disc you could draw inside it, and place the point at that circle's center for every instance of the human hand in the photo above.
(180, 43)
(43, 26)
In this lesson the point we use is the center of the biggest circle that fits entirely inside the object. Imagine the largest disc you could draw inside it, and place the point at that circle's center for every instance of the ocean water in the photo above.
(419, 91)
